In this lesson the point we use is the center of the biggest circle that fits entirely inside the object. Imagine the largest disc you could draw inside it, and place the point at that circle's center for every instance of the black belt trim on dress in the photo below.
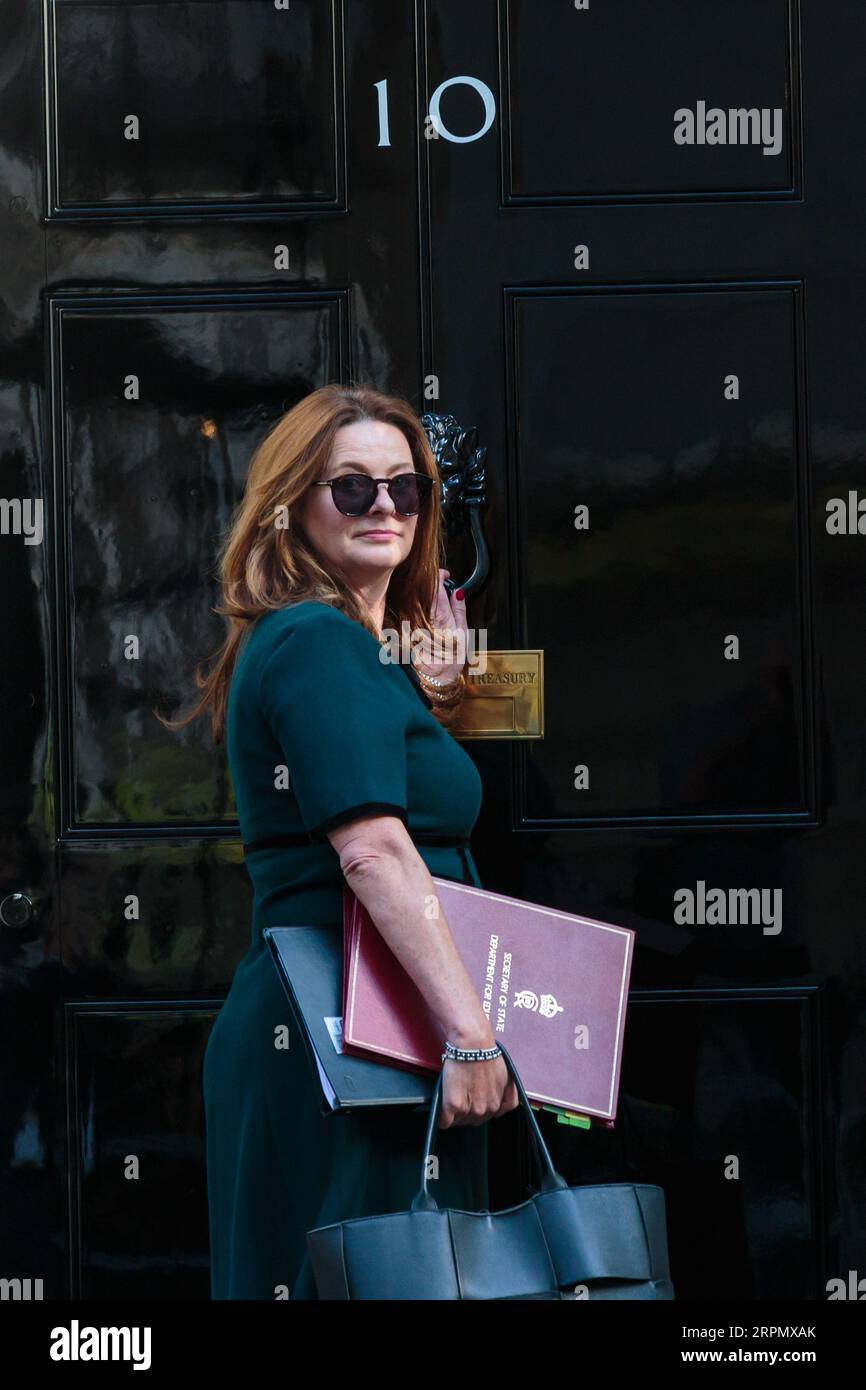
(421, 837)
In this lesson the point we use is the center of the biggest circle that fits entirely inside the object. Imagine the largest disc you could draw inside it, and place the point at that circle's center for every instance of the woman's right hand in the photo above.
(473, 1092)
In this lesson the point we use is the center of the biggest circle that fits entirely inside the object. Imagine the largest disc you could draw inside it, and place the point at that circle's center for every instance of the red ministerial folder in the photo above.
(554, 986)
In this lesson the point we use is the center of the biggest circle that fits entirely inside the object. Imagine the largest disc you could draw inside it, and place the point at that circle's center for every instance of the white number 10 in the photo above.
(435, 118)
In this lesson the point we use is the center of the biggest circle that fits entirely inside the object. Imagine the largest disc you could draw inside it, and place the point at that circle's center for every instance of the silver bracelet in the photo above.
(470, 1054)
(422, 675)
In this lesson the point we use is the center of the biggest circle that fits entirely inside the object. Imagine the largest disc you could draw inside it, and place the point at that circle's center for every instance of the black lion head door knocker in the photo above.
(463, 481)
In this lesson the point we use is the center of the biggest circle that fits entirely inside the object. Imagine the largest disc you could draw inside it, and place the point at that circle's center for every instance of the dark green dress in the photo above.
(310, 694)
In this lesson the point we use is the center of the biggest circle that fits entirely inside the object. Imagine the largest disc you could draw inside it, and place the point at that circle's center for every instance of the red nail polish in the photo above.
(458, 593)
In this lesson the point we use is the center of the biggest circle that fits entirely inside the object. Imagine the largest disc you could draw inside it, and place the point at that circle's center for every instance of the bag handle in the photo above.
(550, 1179)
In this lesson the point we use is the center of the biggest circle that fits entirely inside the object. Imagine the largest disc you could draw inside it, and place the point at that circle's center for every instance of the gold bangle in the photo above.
(446, 699)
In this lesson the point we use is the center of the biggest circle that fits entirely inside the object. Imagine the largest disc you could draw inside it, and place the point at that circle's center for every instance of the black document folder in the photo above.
(309, 961)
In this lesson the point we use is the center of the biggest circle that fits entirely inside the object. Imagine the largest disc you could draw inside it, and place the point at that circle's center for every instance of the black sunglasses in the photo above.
(355, 493)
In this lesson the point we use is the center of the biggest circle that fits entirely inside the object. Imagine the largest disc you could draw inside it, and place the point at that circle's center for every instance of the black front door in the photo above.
(211, 214)
(647, 232)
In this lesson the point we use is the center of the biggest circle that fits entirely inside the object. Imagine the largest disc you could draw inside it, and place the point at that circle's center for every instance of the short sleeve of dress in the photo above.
(341, 727)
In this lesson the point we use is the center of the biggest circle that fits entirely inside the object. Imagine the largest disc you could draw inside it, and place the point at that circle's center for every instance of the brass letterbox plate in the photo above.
(506, 700)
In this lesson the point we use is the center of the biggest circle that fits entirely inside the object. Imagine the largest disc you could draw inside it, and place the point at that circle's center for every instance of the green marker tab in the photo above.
(563, 1117)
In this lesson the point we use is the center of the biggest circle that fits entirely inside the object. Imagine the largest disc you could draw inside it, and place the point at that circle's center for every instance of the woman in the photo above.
(341, 766)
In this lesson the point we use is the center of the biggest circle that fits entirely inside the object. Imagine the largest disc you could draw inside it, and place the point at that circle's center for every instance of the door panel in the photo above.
(588, 99)
(161, 403)
(215, 105)
(665, 520)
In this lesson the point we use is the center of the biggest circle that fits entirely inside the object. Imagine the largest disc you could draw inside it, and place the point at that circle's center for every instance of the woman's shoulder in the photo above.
(306, 611)
(309, 627)
(315, 654)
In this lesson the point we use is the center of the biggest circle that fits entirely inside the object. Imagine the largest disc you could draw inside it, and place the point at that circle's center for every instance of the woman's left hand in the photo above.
(448, 619)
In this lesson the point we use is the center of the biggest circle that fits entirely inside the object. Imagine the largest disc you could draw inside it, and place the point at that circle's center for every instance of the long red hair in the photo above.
(263, 566)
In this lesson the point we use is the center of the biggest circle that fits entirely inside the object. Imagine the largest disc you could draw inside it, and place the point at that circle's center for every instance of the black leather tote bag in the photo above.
(604, 1241)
